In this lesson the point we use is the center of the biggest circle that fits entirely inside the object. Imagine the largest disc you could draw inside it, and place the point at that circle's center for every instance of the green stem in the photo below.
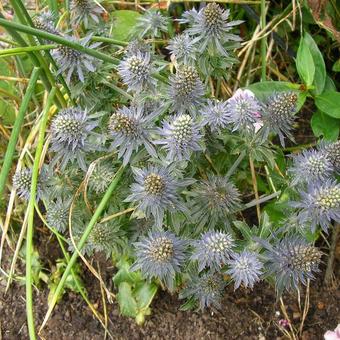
(29, 237)
(81, 242)
(58, 39)
(236, 164)
(16, 129)
(263, 42)
(20, 50)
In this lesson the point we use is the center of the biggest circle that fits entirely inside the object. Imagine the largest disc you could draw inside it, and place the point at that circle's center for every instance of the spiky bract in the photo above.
(160, 255)
(245, 268)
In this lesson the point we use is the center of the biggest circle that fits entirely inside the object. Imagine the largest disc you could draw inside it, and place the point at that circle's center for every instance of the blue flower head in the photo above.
(83, 11)
(160, 255)
(216, 115)
(183, 49)
(151, 24)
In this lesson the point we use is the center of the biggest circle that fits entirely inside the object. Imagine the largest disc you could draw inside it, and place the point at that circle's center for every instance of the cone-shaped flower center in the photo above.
(305, 257)
(162, 249)
(329, 198)
(137, 66)
(124, 124)
(154, 184)
(218, 243)
(182, 128)
(68, 126)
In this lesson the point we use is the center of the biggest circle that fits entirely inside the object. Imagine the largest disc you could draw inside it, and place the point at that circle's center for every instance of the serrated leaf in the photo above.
(329, 103)
(320, 69)
(305, 63)
(126, 301)
(326, 126)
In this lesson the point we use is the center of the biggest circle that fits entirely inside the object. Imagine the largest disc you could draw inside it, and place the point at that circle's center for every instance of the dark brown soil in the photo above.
(245, 314)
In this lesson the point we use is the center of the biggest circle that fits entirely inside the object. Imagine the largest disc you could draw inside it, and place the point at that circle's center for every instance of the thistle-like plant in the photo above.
(183, 49)
(101, 177)
(291, 261)
(206, 288)
(71, 130)
(107, 237)
(181, 136)
(319, 204)
(83, 11)
(22, 181)
(57, 214)
(210, 26)
(216, 115)
(213, 250)
(151, 24)
(245, 268)
(278, 115)
(332, 152)
(309, 166)
(130, 128)
(244, 110)
(73, 63)
(156, 191)
(136, 70)
(45, 21)
(186, 90)
(214, 201)
(160, 255)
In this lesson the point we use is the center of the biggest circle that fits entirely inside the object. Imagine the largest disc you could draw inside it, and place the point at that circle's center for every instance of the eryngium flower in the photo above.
(309, 166)
(213, 250)
(181, 137)
(182, 49)
(130, 127)
(214, 200)
(137, 46)
(101, 178)
(135, 71)
(70, 131)
(160, 255)
(57, 214)
(292, 261)
(244, 110)
(207, 289)
(245, 268)
(332, 151)
(106, 237)
(216, 115)
(74, 63)
(84, 10)
(278, 115)
(22, 180)
(45, 22)
(319, 205)
(155, 192)
(212, 29)
(151, 24)
(186, 89)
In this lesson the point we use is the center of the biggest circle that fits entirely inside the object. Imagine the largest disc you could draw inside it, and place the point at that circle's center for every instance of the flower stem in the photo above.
(331, 257)
(21, 50)
(29, 237)
(16, 129)
(81, 243)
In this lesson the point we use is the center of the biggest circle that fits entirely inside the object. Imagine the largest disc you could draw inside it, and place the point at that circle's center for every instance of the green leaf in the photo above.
(320, 69)
(144, 293)
(126, 301)
(326, 126)
(336, 66)
(124, 21)
(329, 103)
(124, 274)
(305, 63)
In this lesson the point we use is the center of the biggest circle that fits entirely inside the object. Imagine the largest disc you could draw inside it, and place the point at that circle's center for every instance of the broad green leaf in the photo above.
(305, 63)
(320, 68)
(124, 274)
(326, 126)
(124, 21)
(126, 301)
(329, 85)
(329, 103)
